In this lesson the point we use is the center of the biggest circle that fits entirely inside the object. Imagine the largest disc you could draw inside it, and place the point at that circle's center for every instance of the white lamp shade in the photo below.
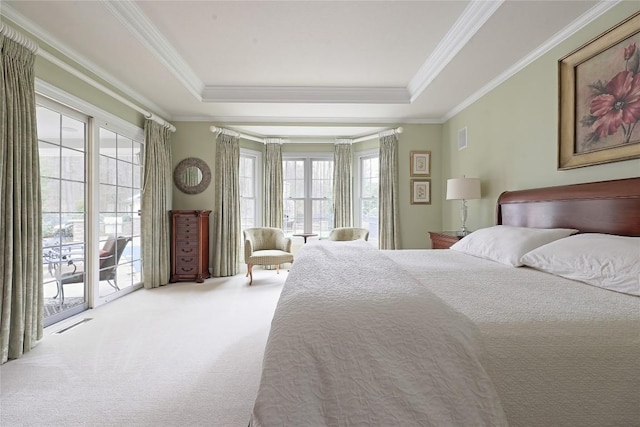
(463, 188)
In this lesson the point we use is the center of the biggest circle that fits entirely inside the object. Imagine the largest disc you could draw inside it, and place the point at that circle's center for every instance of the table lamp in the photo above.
(463, 189)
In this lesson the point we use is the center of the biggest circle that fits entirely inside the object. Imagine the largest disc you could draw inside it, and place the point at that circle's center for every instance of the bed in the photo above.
(463, 338)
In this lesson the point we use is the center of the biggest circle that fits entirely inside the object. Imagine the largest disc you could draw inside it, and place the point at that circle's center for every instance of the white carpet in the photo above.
(185, 354)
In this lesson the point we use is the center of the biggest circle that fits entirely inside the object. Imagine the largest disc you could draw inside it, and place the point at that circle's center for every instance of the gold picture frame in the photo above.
(420, 163)
(599, 109)
(420, 191)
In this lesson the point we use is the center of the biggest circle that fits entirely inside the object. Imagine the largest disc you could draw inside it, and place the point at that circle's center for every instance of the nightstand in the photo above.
(443, 239)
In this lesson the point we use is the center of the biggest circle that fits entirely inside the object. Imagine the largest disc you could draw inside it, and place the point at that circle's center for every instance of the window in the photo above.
(308, 194)
(250, 177)
(62, 135)
(120, 192)
(91, 179)
(366, 207)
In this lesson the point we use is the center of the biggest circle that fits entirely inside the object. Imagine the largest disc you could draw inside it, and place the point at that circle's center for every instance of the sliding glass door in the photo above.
(91, 180)
(62, 141)
(119, 211)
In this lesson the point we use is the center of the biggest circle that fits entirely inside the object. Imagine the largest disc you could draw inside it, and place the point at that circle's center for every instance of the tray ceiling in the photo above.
(303, 63)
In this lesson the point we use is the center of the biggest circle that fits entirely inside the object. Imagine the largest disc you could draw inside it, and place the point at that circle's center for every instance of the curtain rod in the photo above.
(378, 134)
(224, 131)
(216, 129)
(18, 37)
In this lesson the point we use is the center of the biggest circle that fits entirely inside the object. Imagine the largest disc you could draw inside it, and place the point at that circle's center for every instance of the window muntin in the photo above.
(61, 151)
(308, 195)
(247, 180)
(367, 194)
(120, 200)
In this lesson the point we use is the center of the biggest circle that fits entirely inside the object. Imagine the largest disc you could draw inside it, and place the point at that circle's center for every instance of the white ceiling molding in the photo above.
(297, 94)
(137, 22)
(476, 14)
(472, 19)
(315, 120)
(558, 38)
(41, 34)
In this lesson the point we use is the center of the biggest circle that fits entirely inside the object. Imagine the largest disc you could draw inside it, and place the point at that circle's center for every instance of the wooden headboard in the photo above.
(611, 207)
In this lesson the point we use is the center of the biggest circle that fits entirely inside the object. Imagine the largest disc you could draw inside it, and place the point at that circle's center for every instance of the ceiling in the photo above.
(286, 68)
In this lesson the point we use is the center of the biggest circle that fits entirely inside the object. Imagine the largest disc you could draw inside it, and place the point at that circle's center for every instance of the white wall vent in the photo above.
(462, 138)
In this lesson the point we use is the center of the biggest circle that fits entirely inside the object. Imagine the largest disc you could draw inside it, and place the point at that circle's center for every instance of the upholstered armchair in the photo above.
(348, 233)
(265, 246)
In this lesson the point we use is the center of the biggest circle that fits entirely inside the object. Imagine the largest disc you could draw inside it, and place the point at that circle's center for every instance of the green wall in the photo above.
(512, 134)
(194, 139)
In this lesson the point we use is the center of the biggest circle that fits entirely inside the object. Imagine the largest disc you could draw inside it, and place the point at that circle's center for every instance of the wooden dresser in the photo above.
(189, 246)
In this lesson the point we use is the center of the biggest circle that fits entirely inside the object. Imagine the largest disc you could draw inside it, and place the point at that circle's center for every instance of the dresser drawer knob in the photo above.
(186, 269)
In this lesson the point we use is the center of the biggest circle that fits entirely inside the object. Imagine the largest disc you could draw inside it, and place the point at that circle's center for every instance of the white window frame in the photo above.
(357, 194)
(308, 200)
(48, 93)
(258, 188)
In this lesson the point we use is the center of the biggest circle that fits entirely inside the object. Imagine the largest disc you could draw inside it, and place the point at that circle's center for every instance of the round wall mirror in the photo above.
(192, 175)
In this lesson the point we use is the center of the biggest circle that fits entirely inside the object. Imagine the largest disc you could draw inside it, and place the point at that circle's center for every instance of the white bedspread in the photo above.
(362, 343)
(559, 352)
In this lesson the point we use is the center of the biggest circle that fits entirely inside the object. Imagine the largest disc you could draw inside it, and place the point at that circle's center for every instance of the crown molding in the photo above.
(143, 29)
(308, 94)
(472, 19)
(71, 54)
(315, 120)
(581, 22)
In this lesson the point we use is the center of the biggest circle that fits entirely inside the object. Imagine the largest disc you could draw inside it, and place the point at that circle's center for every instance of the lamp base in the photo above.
(463, 232)
(463, 219)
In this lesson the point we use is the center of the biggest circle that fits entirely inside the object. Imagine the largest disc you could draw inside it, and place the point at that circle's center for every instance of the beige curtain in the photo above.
(22, 303)
(156, 203)
(273, 192)
(342, 172)
(388, 233)
(226, 228)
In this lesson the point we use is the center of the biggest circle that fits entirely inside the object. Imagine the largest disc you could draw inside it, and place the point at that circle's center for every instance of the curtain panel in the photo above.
(22, 301)
(227, 207)
(388, 233)
(273, 182)
(156, 203)
(342, 184)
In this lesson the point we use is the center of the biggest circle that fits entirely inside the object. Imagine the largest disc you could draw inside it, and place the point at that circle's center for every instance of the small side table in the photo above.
(443, 239)
(305, 236)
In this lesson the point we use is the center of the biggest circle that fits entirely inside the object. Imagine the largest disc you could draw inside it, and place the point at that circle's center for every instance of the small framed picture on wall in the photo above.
(420, 163)
(420, 191)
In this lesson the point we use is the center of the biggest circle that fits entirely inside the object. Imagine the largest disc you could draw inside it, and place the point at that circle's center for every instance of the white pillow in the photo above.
(507, 244)
(604, 260)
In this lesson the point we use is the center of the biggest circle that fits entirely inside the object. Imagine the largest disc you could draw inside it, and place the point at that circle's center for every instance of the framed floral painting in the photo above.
(599, 110)
(420, 163)
(420, 192)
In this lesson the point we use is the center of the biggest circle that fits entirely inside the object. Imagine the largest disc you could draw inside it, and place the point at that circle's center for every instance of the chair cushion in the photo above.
(269, 257)
(348, 233)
